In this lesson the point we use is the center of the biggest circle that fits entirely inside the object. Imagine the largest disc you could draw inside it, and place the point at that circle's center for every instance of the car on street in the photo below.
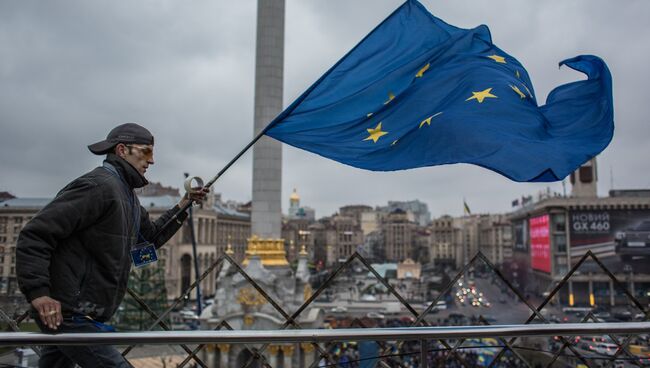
(624, 315)
(188, 315)
(339, 309)
(375, 315)
(440, 305)
(604, 348)
(603, 316)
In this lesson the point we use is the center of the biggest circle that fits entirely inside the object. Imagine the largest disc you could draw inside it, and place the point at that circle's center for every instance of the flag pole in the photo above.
(212, 181)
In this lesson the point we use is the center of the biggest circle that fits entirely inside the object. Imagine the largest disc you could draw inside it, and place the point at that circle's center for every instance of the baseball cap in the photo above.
(125, 133)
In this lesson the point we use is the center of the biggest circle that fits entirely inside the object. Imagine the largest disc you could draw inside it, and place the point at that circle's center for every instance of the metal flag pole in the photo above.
(196, 259)
(211, 182)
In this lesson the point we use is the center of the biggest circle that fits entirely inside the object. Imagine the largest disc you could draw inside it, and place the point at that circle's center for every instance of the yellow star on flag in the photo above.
(391, 96)
(480, 96)
(375, 133)
(498, 59)
(517, 74)
(516, 89)
(421, 71)
(427, 121)
(527, 90)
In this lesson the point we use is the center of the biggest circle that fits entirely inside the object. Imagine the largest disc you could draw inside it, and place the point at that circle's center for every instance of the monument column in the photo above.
(266, 217)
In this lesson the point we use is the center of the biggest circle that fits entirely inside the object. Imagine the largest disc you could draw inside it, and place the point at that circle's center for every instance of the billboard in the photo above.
(540, 243)
(617, 237)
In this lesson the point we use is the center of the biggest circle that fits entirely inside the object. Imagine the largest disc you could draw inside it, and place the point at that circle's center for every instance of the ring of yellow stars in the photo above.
(391, 96)
(375, 133)
(516, 89)
(421, 71)
(482, 95)
(498, 59)
(427, 121)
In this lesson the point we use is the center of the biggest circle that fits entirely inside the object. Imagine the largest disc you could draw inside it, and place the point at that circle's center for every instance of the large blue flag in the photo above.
(419, 92)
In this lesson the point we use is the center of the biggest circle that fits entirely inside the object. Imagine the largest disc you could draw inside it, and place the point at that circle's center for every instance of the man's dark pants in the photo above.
(86, 356)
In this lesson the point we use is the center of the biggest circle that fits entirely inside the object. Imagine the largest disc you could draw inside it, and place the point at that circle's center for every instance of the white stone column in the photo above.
(308, 353)
(210, 357)
(287, 351)
(273, 355)
(224, 349)
(266, 217)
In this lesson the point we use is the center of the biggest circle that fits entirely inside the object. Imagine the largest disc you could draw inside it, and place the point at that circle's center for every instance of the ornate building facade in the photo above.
(239, 304)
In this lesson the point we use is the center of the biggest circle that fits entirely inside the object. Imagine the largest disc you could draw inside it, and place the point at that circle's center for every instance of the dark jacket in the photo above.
(77, 248)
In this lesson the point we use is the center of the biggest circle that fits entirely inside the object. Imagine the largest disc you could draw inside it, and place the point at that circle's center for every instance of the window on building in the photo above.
(560, 242)
(559, 223)
(586, 174)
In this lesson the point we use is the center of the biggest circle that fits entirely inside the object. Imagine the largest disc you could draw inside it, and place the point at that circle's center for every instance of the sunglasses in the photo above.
(146, 151)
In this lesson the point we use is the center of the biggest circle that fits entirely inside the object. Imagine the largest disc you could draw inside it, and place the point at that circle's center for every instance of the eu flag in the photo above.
(418, 92)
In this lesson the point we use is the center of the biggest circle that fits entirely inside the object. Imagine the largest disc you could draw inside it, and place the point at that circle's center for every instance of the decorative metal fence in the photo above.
(432, 351)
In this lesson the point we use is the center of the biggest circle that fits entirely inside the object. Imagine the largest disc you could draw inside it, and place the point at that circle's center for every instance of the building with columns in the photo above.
(455, 240)
(239, 304)
(495, 238)
(399, 236)
(335, 238)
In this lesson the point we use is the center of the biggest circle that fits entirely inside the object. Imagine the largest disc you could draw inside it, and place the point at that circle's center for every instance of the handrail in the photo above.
(324, 335)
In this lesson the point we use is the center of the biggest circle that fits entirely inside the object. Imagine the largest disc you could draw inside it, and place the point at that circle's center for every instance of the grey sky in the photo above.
(71, 70)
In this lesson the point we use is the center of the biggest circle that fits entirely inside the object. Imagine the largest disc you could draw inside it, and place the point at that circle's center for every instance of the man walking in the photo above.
(74, 257)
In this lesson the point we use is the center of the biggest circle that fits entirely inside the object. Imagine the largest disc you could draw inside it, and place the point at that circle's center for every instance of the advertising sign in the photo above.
(540, 244)
(618, 237)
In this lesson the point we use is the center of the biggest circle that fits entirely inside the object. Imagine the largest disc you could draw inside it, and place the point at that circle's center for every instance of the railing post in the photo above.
(424, 363)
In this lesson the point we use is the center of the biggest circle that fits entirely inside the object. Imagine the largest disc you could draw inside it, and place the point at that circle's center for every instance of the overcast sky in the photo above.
(72, 70)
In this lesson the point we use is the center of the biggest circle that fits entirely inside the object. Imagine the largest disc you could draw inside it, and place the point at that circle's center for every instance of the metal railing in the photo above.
(323, 335)
(450, 339)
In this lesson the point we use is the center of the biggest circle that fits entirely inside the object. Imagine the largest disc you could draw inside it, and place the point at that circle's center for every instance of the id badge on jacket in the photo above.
(143, 254)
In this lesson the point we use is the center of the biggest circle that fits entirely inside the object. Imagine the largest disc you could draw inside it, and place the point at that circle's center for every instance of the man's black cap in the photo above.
(125, 133)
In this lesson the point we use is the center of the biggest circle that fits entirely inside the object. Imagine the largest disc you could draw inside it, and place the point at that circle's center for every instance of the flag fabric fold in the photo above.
(419, 92)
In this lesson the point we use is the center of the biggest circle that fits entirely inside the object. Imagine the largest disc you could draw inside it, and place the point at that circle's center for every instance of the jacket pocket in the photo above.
(83, 280)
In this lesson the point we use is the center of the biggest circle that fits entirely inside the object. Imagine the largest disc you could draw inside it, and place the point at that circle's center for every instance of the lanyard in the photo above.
(130, 195)
(100, 326)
